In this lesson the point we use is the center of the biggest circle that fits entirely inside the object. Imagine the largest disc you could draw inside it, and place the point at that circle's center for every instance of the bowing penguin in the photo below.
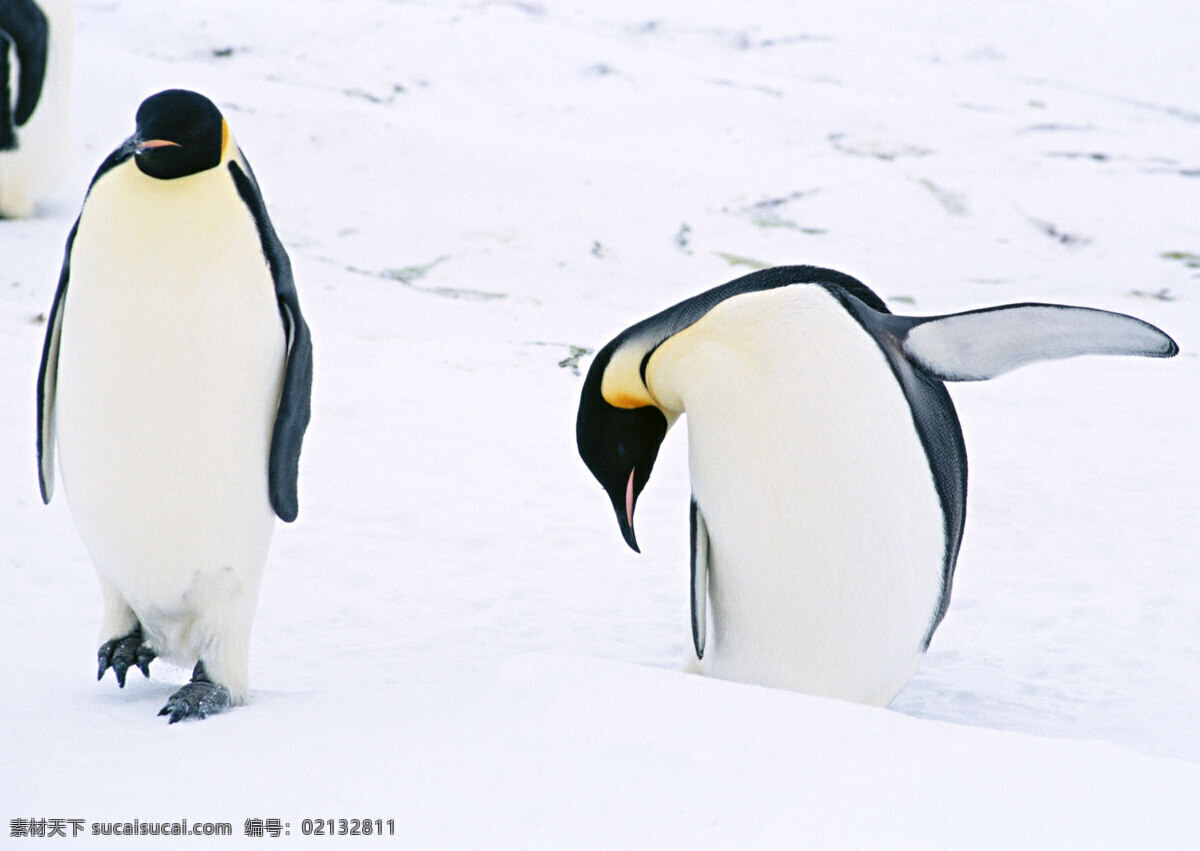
(828, 469)
(175, 381)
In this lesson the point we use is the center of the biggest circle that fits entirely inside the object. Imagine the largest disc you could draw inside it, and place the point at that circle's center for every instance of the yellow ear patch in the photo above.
(224, 137)
(627, 400)
(622, 386)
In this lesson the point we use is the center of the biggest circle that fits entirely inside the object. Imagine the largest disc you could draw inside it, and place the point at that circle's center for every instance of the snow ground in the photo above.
(453, 634)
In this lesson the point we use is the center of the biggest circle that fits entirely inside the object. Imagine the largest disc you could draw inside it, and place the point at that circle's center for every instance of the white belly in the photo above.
(172, 353)
(825, 528)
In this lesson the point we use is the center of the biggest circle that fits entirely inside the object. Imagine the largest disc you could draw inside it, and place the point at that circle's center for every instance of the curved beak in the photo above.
(623, 504)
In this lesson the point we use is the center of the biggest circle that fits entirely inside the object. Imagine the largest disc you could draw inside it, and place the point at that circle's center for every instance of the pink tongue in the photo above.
(629, 499)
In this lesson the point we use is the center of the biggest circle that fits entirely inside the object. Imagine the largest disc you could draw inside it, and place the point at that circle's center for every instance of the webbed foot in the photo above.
(198, 699)
(122, 653)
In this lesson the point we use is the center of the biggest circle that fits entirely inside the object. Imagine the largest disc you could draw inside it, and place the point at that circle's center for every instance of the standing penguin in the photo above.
(829, 474)
(176, 371)
(35, 73)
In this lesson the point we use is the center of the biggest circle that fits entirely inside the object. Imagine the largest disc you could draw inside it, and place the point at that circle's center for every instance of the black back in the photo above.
(671, 321)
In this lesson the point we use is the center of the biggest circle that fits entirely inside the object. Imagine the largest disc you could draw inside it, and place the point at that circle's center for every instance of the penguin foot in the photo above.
(122, 653)
(198, 699)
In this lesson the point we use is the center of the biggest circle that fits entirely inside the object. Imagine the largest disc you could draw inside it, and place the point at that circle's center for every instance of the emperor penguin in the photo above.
(828, 469)
(36, 40)
(175, 380)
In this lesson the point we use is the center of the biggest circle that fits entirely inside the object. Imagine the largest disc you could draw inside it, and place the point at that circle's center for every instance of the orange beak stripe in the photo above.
(629, 499)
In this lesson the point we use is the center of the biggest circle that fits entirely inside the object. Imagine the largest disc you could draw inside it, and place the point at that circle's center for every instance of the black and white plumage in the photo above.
(175, 381)
(828, 469)
(36, 40)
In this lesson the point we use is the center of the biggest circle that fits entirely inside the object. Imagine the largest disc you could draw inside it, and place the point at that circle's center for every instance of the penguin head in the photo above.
(179, 133)
(618, 444)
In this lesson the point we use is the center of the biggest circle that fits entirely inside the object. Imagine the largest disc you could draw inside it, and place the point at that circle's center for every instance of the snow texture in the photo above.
(453, 634)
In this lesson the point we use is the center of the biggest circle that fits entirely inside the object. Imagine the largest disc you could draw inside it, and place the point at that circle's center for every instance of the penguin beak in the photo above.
(151, 144)
(624, 511)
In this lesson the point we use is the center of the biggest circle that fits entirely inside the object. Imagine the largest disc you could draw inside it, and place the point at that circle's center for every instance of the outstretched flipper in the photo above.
(198, 699)
(981, 344)
(975, 345)
(125, 652)
(699, 579)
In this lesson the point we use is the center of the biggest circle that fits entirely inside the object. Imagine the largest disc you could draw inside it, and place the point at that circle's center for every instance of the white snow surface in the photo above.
(453, 634)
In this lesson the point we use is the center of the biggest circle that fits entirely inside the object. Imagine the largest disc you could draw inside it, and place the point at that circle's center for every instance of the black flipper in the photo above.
(8, 133)
(699, 579)
(22, 22)
(48, 377)
(925, 351)
(198, 699)
(291, 419)
(48, 371)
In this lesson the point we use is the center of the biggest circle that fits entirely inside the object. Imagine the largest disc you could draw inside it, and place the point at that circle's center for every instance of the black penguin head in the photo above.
(179, 133)
(619, 445)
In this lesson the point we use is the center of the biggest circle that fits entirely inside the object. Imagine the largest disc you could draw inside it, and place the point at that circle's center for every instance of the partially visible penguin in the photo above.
(828, 470)
(36, 41)
(175, 380)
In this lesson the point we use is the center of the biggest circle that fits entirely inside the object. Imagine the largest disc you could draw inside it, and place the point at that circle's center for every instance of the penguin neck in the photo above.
(623, 385)
(197, 210)
(751, 346)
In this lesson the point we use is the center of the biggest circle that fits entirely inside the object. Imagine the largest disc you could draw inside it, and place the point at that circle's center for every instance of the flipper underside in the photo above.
(981, 344)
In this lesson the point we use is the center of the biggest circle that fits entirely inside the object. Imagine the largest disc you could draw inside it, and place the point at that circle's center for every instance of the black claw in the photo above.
(120, 665)
(200, 673)
(124, 652)
(198, 699)
(144, 657)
